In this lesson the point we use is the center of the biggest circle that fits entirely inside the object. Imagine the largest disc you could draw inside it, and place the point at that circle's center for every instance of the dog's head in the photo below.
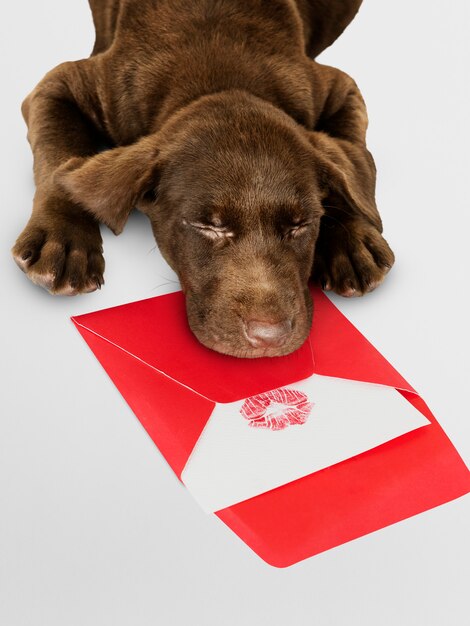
(233, 188)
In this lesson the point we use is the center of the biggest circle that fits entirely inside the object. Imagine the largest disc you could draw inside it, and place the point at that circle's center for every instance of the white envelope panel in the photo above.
(255, 445)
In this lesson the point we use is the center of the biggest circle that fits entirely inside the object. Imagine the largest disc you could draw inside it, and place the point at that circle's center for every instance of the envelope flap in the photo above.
(340, 350)
(156, 332)
(278, 437)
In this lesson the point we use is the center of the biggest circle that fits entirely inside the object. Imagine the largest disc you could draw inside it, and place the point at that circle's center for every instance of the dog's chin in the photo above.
(249, 352)
(243, 350)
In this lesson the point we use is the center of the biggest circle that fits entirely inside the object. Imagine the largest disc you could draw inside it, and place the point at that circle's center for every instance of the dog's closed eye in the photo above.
(211, 230)
(297, 228)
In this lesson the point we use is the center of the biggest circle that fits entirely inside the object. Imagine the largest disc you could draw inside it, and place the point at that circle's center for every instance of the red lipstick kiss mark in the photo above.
(277, 409)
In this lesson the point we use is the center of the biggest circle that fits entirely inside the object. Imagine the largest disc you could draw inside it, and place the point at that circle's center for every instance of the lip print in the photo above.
(277, 409)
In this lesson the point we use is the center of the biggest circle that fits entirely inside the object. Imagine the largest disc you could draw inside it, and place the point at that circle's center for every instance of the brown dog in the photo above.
(248, 157)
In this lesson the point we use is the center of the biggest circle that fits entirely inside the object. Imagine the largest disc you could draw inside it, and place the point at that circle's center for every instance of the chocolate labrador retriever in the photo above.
(248, 157)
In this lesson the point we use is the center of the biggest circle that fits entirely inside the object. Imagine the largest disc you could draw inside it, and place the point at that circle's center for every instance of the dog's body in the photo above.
(248, 157)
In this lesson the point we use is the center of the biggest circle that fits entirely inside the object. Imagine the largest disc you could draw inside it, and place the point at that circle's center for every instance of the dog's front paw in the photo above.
(62, 254)
(351, 258)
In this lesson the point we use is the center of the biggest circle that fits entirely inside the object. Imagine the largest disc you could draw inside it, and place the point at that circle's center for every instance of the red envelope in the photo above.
(172, 383)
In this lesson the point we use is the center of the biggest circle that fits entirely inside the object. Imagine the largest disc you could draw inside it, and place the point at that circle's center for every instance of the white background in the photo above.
(95, 530)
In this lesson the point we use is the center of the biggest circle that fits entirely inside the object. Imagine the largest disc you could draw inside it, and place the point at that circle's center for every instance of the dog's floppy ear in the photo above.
(347, 169)
(109, 184)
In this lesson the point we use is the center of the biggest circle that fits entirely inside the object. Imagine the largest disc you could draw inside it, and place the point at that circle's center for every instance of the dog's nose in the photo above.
(266, 334)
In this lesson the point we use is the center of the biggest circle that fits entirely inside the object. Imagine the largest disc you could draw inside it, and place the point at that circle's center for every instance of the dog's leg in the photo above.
(351, 256)
(61, 248)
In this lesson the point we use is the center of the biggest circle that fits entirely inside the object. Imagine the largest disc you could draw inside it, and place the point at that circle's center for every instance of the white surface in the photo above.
(233, 462)
(95, 529)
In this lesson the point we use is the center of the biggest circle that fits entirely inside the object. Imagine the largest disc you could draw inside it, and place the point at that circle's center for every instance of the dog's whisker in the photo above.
(339, 208)
(340, 223)
(171, 282)
(167, 279)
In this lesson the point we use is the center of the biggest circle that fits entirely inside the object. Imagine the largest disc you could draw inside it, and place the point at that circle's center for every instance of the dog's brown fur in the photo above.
(247, 155)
